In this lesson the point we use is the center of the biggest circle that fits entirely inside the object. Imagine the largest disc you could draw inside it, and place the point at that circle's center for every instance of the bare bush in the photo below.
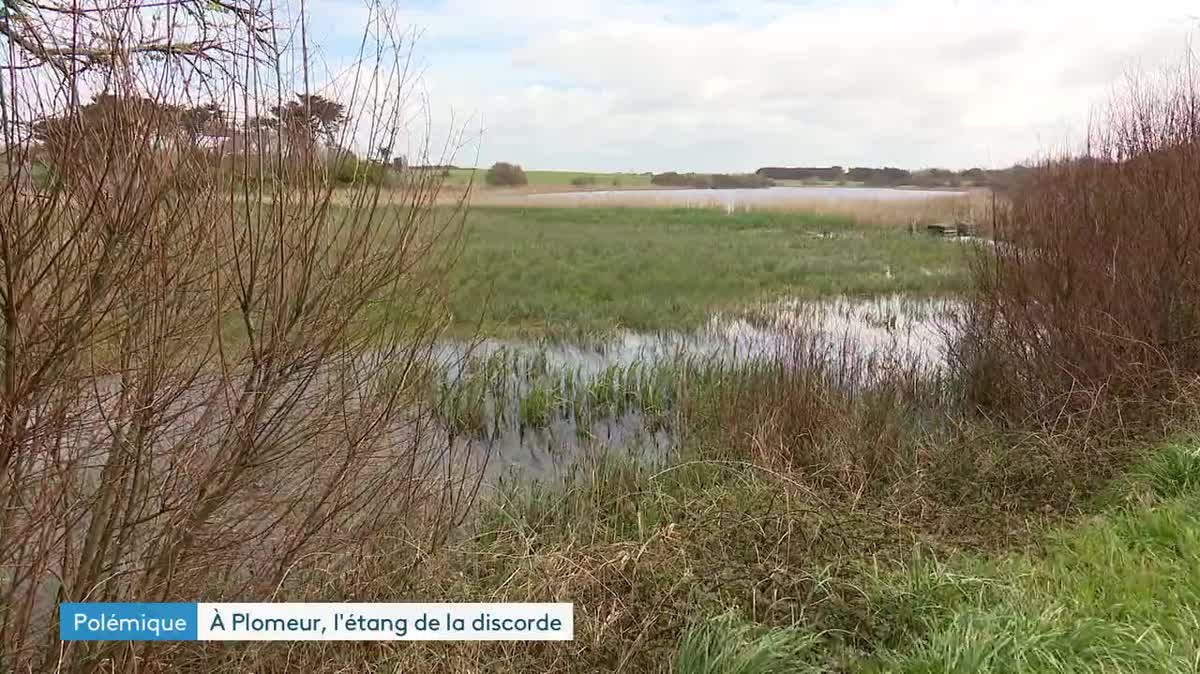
(1089, 306)
(211, 368)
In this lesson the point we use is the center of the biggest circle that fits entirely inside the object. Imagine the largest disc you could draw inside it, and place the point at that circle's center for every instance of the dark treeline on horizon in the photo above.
(891, 177)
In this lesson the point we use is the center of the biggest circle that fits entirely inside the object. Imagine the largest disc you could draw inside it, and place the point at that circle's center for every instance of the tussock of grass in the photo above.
(1175, 471)
(645, 555)
(727, 645)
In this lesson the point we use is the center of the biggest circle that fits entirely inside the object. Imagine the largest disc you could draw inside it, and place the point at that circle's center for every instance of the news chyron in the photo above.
(316, 622)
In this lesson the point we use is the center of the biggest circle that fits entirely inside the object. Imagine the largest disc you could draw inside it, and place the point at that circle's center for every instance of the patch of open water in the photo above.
(536, 407)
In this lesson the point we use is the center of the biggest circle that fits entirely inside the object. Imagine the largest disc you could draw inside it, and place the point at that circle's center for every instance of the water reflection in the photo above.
(537, 406)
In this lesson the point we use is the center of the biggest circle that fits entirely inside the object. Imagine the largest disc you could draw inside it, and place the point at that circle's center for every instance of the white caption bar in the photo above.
(385, 622)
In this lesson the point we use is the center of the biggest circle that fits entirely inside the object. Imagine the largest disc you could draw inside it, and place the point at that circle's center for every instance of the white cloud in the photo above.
(736, 85)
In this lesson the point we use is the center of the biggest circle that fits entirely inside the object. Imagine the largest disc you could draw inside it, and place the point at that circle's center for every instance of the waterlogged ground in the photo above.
(539, 272)
(536, 407)
(739, 197)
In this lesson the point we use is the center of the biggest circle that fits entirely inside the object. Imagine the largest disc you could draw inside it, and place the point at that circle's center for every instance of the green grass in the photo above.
(572, 270)
(727, 645)
(463, 176)
(1118, 593)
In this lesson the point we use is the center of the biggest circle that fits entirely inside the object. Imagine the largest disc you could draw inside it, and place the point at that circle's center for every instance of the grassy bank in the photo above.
(568, 270)
(1119, 593)
(719, 566)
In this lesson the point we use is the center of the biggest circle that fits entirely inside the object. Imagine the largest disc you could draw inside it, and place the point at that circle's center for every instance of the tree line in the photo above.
(306, 128)
(892, 177)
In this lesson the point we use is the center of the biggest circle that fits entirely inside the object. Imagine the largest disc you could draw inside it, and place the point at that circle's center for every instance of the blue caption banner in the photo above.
(128, 622)
(320, 621)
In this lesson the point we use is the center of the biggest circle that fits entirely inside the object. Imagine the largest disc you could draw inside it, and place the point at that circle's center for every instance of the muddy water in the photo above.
(536, 407)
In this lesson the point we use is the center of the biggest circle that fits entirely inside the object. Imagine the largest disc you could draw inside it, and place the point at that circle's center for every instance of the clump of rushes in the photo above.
(462, 404)
(536, 407)
(510, 390)
(604, 391)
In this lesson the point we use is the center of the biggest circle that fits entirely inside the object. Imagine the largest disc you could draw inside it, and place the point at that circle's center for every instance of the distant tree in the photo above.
(676, 179)
(884, 177)
(504, 174)
(121, 125)
(975, 175)
(311, 117)
(831, 173)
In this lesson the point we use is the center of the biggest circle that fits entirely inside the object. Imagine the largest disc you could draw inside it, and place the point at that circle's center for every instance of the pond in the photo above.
(536, 407)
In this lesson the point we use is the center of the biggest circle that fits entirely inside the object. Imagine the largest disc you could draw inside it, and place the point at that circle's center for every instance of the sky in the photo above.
(732, 85)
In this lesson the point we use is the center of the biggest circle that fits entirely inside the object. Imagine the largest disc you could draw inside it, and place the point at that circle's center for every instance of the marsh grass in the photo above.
(484, 395)
(720, 565)
(974, 206)
(644, 552)
(567, 271)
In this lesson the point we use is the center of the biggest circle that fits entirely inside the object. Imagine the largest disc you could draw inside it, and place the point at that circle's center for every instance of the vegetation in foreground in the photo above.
(1120, 592)
(572, 270)
(722, 566)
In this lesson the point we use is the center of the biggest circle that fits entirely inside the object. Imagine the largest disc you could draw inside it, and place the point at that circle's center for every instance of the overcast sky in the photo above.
(731, 85)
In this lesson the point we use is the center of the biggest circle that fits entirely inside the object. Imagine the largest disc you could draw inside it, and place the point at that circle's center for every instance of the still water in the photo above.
(536, 407)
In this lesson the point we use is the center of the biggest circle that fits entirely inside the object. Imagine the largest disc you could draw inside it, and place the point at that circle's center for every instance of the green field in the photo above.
(580, 269)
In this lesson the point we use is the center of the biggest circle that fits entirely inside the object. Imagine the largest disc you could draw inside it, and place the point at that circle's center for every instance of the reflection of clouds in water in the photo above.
(895, 326)
(892, 329)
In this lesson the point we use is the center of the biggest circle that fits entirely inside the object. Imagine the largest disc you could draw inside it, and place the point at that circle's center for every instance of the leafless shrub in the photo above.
(209, 370)
(1088, 309)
